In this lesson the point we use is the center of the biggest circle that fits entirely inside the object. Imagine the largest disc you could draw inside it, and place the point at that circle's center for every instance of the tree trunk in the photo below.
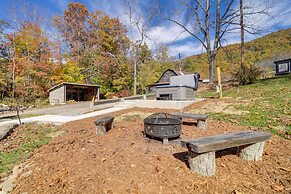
(211, 70)
(13, 69)
(203, 164)
(242, 46)
(134, 76)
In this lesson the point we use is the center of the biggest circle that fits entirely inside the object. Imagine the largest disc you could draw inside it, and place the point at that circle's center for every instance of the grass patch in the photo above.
(29, 115)
(268, 106)
(20, 145)
(39, 102)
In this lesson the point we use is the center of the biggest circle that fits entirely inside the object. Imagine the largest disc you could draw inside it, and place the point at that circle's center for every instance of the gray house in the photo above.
(175, 85)
(64, 92)
(164, 79)
(170, 92)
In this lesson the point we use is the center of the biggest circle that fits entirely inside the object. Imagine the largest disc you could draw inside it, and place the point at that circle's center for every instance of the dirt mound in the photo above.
(123, 161)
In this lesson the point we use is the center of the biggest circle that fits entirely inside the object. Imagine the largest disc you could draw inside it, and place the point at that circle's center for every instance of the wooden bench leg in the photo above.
(100, 130)
(103, 129)
(203, 164)
(252, 152)
(202, 124)
(165, 141)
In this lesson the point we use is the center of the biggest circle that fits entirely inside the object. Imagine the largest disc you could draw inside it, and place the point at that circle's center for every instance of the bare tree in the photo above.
(138, 28)
(210, 27)
(242, 44)
(200, 22)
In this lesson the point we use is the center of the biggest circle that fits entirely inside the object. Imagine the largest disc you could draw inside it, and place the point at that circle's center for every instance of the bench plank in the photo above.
(190, 115)
(104, 120)
(220, 142)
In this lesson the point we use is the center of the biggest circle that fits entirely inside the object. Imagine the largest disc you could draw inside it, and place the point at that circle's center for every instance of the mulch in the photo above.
(123, 161)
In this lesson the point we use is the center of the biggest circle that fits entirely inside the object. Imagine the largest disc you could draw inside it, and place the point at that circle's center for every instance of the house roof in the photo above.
(73, 84)
(174, 71)
(282, 61)
(160, 84)
(175, 86)
(177, 73)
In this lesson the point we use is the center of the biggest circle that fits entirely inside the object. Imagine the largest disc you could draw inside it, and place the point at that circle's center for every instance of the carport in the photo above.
(64, 92)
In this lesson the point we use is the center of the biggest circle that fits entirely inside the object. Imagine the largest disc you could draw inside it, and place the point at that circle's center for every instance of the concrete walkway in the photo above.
(59, 119)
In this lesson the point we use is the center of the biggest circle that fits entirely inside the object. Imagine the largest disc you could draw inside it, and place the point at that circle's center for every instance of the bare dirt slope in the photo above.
(123, 161)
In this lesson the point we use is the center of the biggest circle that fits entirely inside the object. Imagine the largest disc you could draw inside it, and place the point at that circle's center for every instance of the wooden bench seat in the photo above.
(201, 151)
(103, 124)
(201, 118)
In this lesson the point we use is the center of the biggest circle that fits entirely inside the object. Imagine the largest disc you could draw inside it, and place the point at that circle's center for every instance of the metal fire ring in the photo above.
(162, 125)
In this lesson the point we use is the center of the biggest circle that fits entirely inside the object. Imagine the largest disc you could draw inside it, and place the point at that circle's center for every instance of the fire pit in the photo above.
(162, 126)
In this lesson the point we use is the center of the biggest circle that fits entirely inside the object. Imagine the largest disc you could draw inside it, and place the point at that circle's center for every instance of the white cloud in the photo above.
(186, 49)
(169, 33)
(279, 14)
(165, 34)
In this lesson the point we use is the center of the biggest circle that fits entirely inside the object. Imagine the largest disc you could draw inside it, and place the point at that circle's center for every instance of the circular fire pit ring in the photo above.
(163, 126)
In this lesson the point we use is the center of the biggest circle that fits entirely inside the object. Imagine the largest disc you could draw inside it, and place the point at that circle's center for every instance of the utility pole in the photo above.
(180, 65)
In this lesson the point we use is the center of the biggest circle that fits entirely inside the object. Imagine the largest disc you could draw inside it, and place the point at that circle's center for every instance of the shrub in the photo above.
(247, 75)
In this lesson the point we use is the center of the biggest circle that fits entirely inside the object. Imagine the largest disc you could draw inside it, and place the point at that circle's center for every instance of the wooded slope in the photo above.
(261, 51)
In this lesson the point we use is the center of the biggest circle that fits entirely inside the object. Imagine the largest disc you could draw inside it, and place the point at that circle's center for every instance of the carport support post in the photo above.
(65, 94)
(78, 91)
(98, 93)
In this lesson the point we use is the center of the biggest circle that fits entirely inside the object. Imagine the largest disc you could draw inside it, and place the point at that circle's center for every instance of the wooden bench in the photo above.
(201, 151)
(201, 118)
(103, 124)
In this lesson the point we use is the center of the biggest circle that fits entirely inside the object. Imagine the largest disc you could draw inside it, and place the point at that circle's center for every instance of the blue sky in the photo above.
(159, 31)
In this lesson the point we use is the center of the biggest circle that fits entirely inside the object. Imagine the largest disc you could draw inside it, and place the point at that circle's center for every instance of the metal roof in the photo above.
(175, 86)
(284, 60)
(73, 84)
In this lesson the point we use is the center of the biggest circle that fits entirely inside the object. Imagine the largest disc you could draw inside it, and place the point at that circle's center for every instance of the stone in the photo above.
(202, 164)
(8, 187)
(253, 152)
(202, 124)
(6, 130)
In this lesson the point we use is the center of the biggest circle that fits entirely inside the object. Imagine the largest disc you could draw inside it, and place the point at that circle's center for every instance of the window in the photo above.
(165, 97)
(282, 67)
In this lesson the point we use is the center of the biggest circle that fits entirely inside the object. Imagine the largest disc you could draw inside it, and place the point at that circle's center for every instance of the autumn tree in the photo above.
(4, 52)
(31, 55)
(73, 28)
(97, 42)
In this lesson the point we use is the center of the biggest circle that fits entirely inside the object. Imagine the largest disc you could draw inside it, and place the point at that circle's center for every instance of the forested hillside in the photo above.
(92, 47)
(259, 51)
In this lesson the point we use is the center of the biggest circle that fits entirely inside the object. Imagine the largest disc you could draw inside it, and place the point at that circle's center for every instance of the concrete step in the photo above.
(125, 104)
